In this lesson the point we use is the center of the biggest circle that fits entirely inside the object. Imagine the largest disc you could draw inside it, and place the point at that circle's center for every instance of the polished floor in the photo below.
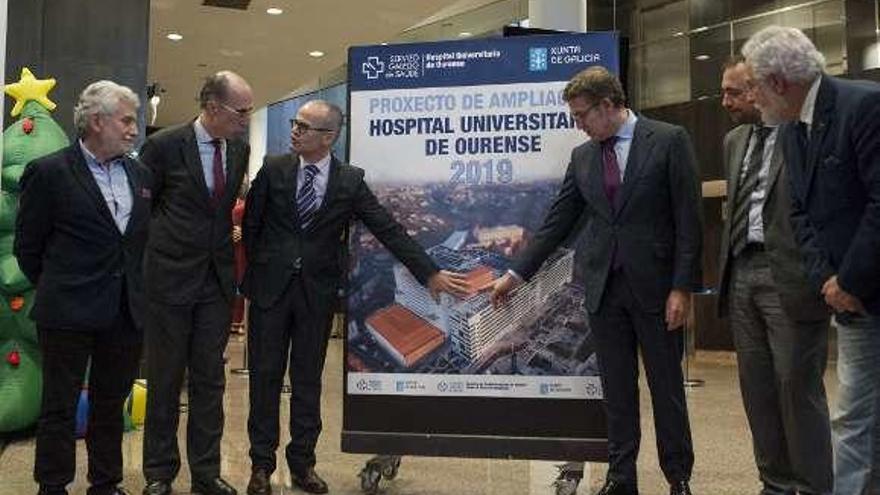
(722, 443)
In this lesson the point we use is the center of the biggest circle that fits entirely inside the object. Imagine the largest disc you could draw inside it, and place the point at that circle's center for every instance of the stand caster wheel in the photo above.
(370, 477)
(390, 469)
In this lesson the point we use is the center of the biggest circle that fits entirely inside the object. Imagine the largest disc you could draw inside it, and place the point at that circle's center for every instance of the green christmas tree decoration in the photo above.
(33, 135)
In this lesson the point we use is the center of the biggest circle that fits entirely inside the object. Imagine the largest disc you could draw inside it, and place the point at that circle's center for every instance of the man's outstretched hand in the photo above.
(501, 288)
(449, 282)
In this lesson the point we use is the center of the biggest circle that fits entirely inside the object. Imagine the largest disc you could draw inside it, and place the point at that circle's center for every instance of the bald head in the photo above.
(227, 103)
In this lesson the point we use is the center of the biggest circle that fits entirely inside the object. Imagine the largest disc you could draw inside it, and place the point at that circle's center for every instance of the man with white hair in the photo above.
(80, 236)
(831, 142)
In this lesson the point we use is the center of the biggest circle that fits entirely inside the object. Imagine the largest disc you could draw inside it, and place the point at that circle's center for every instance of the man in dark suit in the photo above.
(198, 168)
(779, 323)
(80, 235)
(635, 181)
(831, 142)
(298, 210)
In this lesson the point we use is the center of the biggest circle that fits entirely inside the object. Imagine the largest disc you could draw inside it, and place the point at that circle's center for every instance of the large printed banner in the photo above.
(466, 144)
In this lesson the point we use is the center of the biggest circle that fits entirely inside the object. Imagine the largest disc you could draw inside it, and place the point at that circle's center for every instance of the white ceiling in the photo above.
(271, 52)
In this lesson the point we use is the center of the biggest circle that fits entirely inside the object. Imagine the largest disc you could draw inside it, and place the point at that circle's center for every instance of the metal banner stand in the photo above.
(244, 370)
(690, 349)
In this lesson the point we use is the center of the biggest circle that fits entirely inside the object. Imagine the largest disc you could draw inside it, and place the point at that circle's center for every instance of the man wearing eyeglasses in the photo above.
(198, 169)
(298, 211)
(635, 183)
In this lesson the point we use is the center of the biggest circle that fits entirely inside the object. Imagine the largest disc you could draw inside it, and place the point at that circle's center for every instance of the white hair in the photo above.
(101, 97)
(785, 52)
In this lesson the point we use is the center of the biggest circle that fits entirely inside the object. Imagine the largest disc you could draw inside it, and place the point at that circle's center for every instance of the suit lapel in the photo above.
(291, 184)
(87, 181)
(823, 118)
(775, 165)
(737, 156)
(193, 161)
(596, 181)
(639, 152)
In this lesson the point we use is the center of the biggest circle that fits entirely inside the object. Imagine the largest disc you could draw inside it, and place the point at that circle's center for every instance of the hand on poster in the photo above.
(501, 288)
(677, 306)
(449, 282)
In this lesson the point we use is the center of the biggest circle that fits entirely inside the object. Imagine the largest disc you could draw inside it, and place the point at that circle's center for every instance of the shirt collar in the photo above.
(323, 164)
(809, 106)
(202, 135)
(628, 128)
(91, 159)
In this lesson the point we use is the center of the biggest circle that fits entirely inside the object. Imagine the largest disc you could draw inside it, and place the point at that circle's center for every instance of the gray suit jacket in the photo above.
(654, 224)
(799, 300)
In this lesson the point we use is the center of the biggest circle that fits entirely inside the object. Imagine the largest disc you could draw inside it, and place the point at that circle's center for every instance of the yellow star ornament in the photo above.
(30, 88)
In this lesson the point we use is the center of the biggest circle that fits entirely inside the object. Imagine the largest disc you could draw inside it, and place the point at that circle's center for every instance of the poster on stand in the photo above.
(466, 143)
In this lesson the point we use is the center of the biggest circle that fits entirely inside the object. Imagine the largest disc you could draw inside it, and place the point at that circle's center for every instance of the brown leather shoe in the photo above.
(259, 483)
(309, 481)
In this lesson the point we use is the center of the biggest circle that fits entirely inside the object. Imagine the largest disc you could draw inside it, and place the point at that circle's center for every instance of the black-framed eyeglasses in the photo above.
(241, 112)
(302, 126)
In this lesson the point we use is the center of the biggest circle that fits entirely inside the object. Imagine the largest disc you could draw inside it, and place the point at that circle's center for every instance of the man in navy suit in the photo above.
(80, 235)
(831, 144)
(635, 182)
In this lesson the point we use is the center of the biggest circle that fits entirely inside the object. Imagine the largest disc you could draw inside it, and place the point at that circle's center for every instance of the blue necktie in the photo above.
(307, 201)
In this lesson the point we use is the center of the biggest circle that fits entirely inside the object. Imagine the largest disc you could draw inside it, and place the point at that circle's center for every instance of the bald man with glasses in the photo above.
(189, 274)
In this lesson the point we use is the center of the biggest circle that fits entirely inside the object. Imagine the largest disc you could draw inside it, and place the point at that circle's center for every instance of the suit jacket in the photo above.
(800, 301)
(189, 235)
(277, 248)
(655, 222)
(835, 188)
(69, 246)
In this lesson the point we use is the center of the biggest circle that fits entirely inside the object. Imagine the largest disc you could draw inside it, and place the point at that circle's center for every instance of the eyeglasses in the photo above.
(241, 112)
(301, 126)
(583, 113)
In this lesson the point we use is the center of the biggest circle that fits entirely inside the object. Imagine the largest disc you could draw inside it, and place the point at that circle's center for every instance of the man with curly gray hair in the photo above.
(831, 142)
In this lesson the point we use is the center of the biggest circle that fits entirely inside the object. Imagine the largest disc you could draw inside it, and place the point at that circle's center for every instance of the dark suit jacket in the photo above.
(655, 222)
(800, 301)
(276, 247)
(70, 248)
(188, 234)
(835, 188)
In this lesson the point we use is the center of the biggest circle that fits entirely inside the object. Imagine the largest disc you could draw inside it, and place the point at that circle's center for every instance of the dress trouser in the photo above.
(781, 364)
(621, 329)
(296, 327)
(183, 338)
(115, 354)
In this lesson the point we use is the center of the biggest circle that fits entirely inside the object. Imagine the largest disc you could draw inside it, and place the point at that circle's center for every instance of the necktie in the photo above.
(748, 181)
(612, 169)
(307, 200)
(219, 175)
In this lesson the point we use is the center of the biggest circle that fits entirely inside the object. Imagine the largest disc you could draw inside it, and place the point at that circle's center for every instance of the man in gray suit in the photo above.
(635, 182)
(779, 323)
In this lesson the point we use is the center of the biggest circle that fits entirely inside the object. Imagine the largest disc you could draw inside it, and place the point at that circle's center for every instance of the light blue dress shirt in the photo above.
(113, 184)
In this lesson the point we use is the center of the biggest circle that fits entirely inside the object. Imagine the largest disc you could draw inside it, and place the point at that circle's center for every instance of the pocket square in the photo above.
(146, 193)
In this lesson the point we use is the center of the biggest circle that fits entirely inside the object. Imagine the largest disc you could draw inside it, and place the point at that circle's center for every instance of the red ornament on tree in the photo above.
(13, 358)
(27, 125)
(16, 303)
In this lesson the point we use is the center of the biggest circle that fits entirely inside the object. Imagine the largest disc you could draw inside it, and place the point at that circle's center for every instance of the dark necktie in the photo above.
(219, 175)
(307, 200)
(612, 169)
(748, 181)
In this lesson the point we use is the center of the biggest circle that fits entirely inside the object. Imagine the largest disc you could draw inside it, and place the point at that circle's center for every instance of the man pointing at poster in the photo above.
(298, 209)
(635, 182)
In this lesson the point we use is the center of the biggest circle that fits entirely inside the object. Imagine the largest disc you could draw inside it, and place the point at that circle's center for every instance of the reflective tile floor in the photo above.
(722, 444)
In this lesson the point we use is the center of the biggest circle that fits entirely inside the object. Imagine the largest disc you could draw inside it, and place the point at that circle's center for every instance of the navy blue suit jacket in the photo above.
(835, 188)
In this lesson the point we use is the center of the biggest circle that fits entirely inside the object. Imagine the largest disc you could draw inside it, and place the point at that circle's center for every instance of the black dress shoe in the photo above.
(680, 488)
(157, 487)
(309, 481)
(617, 488)
(216, 486)
(259, 483)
